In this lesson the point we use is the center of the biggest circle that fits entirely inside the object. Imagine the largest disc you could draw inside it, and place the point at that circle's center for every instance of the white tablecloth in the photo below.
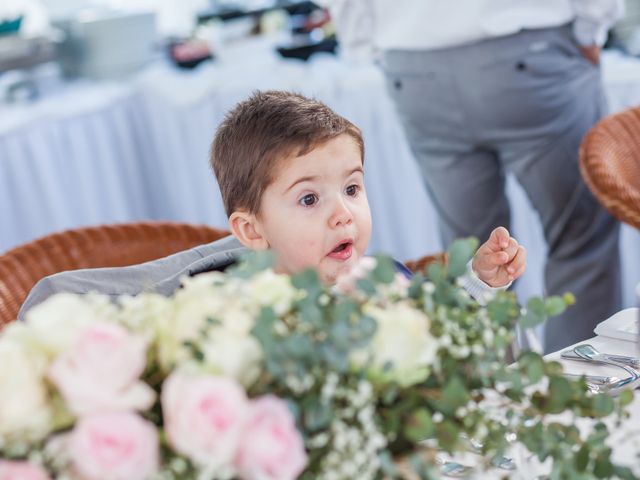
(625, 441)
(136, 150)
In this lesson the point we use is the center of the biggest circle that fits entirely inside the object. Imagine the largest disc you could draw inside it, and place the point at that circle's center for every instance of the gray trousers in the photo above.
(518, 104)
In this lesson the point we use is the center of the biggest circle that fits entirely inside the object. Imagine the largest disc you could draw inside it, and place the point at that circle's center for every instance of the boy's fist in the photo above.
(500, 259)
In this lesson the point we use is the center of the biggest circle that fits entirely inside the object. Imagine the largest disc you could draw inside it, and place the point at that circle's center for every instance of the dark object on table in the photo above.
(232, 10)
(10, 27)
(189, 53)
(304, 51)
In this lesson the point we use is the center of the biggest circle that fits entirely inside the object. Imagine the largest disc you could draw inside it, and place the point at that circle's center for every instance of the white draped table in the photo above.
(624, 440)
(134, 150)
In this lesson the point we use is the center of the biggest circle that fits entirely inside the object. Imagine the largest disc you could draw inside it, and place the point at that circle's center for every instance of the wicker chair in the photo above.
(422, 263)
(91, 247)
(103, 246)
(610, 164)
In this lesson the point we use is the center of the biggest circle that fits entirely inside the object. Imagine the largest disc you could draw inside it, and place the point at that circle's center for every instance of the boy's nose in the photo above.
(341, 215)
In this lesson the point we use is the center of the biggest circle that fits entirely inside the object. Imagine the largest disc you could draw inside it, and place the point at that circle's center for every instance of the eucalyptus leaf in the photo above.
(384, 271)
(459, 254)
(555, 306)
(419, 425)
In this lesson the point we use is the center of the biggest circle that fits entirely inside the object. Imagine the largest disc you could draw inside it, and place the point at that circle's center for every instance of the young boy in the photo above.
(291, 175)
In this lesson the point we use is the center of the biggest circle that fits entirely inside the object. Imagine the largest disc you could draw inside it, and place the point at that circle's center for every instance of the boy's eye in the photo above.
(352, 190)
(308, 200)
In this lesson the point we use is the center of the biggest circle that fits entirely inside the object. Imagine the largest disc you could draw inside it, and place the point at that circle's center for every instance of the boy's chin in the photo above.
(330, 276)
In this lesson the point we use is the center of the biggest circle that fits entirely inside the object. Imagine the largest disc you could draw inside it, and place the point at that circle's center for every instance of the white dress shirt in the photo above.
(434, 24)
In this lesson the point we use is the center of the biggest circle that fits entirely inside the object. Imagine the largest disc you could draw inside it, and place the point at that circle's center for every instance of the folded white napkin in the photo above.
(623, 325)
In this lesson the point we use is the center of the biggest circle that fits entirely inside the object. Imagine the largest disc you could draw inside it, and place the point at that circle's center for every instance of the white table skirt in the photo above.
(138, 150)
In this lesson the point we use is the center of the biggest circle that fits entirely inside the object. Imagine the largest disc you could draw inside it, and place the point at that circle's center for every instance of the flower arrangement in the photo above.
(254, 375)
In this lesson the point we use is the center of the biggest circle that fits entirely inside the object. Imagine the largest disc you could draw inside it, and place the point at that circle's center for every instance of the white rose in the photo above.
(269, 289)
(206, 296)
(403, 342)
(24, 412)
(144, 313)
(55, 323)
(232, 354)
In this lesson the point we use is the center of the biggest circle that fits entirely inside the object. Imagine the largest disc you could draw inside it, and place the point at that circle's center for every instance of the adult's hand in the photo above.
(591, 53)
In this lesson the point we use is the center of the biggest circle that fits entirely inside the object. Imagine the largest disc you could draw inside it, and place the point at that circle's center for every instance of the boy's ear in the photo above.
(246, 228)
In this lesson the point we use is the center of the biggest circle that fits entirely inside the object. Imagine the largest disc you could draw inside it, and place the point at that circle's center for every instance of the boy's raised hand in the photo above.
(500, 259)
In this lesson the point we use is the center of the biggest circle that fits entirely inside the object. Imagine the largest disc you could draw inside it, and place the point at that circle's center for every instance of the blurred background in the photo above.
(108, 108)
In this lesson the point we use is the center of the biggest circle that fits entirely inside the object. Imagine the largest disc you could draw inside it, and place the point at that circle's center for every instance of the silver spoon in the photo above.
(588, 352)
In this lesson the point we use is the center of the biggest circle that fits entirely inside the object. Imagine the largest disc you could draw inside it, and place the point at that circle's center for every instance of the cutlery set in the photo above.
(603, 384)
(596, 384)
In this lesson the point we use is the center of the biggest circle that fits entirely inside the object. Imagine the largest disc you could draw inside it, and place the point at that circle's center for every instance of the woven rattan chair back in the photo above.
(610, 164)
(91, 247)
(422, 263)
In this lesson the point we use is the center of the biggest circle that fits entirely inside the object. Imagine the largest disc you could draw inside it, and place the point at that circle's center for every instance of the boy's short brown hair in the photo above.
(260, 132)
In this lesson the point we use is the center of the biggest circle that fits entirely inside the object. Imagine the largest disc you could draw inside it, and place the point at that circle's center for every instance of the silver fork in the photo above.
(453, 469)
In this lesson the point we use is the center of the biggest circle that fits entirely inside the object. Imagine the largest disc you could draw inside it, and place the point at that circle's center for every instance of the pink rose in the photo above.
(271, 447)
(114, 446)
(204, 417)
(100, 371)
(21, 471)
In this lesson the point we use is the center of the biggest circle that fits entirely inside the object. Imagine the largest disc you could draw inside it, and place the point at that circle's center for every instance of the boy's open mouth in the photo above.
(341, 247)
(342, 251)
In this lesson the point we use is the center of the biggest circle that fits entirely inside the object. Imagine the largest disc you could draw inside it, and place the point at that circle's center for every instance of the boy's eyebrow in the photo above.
(300, 180)
(311, 178)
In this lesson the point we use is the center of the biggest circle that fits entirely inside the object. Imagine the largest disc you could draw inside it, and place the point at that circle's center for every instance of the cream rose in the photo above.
(232, 354)
(55, 323)
(24, 410)
(269, 289)
(205, 296)
(402, 342)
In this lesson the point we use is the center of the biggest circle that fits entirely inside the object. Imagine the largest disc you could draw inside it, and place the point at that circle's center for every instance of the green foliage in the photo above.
(252, 263)
(459, 253)
(469, 388)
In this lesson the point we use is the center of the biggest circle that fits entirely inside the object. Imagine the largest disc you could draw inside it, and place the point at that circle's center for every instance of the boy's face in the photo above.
(316, 213)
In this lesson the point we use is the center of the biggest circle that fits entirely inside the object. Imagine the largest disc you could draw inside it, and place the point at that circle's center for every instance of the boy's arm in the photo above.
(478, 289)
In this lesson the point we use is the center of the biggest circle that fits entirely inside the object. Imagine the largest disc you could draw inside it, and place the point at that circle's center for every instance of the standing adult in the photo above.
(488, 87)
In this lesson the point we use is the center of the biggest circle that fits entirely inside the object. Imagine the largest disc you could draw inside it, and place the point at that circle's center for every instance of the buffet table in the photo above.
(127, 151)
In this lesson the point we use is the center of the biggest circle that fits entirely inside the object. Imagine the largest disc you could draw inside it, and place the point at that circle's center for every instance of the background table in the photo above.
(104, 153)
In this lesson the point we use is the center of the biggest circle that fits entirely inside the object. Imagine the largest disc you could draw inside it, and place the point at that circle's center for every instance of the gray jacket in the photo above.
(161, 276)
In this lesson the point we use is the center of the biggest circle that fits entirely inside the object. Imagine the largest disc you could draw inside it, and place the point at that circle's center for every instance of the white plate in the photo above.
(622, 325)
